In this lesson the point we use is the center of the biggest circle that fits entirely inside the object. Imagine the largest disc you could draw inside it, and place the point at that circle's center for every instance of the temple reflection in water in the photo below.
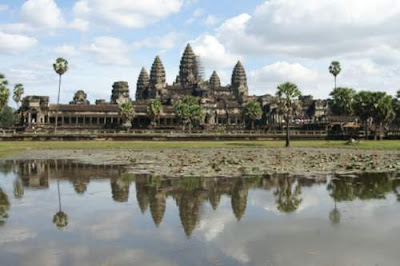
(190, 194)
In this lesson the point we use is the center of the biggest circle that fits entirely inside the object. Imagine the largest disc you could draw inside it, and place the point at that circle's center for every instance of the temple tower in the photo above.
(120, 92)
(188, 67)
(157, 206)
(239, 82)
(157, 79)
(215, 82)
(142, 85)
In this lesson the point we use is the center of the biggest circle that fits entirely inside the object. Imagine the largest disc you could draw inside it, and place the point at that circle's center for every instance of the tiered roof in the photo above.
(215, 82)
(142, 84)
(188, 66)
(157, 73)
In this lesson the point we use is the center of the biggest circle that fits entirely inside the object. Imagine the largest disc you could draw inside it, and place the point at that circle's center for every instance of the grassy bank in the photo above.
(19, 146)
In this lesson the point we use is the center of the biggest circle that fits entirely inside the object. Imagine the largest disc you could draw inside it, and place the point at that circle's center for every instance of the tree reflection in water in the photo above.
(192, 193)
(18, 188)
(288, 194)
(4, 206)
(60, 219)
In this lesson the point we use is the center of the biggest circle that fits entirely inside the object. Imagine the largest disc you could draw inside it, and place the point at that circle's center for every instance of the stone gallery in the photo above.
(223, 104)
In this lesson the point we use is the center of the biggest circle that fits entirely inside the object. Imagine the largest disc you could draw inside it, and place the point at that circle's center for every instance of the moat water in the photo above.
(64, 213)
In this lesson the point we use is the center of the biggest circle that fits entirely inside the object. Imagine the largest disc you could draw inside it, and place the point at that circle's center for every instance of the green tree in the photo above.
(4, 92)
(17, 93)
(363, 108)
(384, 114)
(396, 107)
(6, 117)
(286, 95)
(127, 111)
(341, 101)
(154, 110)
(335, 69)
(252, 111)
(60, 67)
(189, 111)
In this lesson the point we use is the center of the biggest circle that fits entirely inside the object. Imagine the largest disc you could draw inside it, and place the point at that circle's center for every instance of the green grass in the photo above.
(20, 146)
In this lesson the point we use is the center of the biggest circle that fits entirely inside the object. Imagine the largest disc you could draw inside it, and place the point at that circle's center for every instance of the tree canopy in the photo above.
(4, 91)
(60, 66)
(287, 94)
(154, 109)
(127, 111)
(189, 110)
(17, 93)
(252, 111)
(341, 101)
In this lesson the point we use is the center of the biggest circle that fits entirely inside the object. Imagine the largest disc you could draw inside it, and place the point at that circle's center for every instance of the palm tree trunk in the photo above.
(59, 194)
(58, 102)
(335, 82)
(380, 131)
(376, 131)
(287, 132)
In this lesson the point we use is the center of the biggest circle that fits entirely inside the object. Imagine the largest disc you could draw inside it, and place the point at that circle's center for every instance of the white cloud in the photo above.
(266, 79)
(42, 14)
(15, 43)
(3, 7)
(127, 13)
(212, 53)
(165, 42)
(211, 20)
(110, 50)
(79, 24)
(66, 50)
(313, 28)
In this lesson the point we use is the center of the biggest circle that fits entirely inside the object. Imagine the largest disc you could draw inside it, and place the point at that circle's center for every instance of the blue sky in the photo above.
(277, 40)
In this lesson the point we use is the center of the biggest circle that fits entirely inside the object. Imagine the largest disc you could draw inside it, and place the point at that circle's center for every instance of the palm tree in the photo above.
(363, 108)
(4, 92)
(60, 67)
(385, 112)
(127, 111)
(286, 94)
(335, 69)
(154, 110)
(341, 101)
(189, 111)
(18, 91)
(252, 110)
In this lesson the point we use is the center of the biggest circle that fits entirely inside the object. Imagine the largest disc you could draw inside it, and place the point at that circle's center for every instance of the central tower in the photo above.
(188, 71)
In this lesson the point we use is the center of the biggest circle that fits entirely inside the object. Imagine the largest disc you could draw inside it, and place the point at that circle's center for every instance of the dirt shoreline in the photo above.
(229, 162)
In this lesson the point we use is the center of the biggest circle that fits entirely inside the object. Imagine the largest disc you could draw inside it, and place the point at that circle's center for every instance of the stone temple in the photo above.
(222, 103)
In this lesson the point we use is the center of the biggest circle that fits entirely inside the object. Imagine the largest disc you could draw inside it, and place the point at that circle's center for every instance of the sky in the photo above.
(276, 40)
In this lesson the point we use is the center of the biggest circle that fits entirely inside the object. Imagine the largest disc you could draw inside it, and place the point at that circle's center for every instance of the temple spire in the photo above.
(215, 81)
(142, 84)
(157, 78)
(239, 81)
(188, 67)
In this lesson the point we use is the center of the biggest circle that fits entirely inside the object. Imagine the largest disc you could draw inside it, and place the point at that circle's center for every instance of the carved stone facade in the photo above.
(223, 104)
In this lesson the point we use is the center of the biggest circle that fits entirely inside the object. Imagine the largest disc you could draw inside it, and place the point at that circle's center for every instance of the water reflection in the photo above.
(4, 206)
(191, 193)
(156, 197)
